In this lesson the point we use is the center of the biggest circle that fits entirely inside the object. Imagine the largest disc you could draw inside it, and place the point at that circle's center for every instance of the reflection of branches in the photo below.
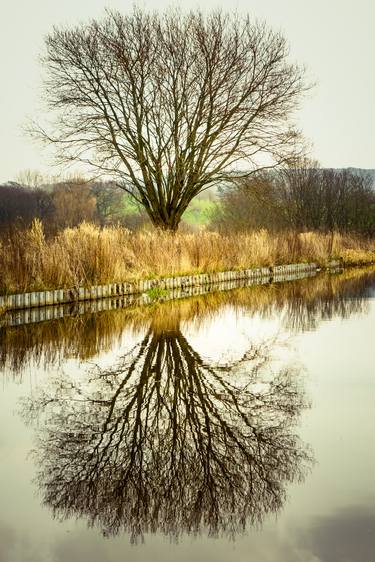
(166, 442)
(336, 300)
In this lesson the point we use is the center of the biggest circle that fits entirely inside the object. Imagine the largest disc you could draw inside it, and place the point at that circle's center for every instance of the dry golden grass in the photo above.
(89, 255)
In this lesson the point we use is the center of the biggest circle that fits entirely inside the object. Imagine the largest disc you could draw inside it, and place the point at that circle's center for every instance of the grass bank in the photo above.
(88, 255)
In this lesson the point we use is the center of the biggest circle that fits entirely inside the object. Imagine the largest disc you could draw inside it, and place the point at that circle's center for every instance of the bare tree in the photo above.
(326, 199)
(30, 178)
(298, 197)
(300, 193)
(249, 203)
(74, 202)
(171, 104)
(19, 206)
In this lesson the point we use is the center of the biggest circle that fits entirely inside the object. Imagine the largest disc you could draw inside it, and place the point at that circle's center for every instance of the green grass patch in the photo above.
(157, 293)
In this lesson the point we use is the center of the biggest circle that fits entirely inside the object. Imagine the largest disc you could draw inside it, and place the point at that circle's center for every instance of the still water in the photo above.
(238, 426)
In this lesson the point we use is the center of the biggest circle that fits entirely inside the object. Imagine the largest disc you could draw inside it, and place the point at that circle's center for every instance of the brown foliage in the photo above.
(73, 203)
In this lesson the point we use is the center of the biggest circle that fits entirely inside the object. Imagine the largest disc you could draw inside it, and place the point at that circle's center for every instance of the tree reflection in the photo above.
(167, 442)
(332, 299)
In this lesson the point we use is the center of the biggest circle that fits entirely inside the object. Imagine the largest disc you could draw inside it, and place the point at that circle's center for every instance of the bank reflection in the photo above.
(166, 441)
(301, 305)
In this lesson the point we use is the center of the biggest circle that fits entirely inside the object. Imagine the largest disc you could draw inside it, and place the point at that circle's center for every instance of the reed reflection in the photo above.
(302, 305)
(167, 442)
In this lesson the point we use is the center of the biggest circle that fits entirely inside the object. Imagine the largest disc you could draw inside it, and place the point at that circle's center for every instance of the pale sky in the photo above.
(335, 39)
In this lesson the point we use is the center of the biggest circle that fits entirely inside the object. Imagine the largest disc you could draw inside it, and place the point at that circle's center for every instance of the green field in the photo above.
(199, 212)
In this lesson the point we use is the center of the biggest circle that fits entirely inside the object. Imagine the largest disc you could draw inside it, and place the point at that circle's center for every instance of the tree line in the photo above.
(66, 203)
(300, 198)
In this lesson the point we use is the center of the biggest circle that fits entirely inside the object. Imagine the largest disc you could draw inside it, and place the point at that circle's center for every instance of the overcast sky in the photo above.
(335, 39)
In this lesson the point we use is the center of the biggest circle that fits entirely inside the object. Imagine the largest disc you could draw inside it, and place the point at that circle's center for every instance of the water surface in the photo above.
(234, 426)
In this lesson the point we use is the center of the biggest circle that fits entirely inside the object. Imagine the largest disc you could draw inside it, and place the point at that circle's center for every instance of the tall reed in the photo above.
(88, 254)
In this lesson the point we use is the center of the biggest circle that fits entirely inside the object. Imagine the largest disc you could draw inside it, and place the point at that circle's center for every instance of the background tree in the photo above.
(327, 199)
(73, 203)
(31, 178)
(170, 104)
(113, 206)
(249, 203)
(20, 205)
(299, 198)
(109, 202)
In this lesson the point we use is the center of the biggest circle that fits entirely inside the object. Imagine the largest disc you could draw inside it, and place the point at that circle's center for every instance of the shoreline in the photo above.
(153, 288)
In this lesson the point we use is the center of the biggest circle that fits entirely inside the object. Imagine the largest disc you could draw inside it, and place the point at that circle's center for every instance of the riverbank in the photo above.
(72, 320)
(88, 256)
(150, 290)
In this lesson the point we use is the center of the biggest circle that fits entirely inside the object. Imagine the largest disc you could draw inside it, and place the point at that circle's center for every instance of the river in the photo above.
(237, 425)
